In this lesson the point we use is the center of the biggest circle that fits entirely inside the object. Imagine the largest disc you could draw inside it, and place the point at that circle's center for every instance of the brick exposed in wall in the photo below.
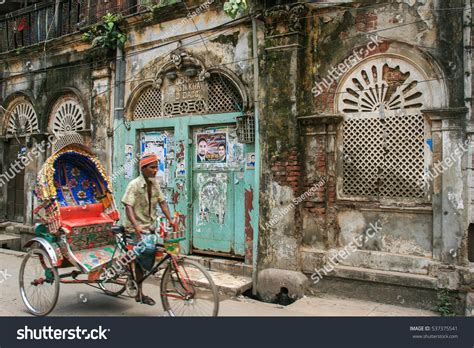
(287, 171)
(366, 21)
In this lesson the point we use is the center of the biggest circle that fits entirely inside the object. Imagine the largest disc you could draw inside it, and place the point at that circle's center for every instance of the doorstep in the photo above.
(232, 277)
(234, 267)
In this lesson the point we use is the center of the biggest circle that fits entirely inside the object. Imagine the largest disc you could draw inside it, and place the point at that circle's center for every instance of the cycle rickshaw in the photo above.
(80, 235)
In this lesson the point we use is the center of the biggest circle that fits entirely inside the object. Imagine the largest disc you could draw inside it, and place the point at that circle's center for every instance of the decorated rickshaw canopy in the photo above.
(72, 176)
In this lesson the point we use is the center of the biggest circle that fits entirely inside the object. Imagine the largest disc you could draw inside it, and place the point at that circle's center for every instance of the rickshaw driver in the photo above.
(140, 199)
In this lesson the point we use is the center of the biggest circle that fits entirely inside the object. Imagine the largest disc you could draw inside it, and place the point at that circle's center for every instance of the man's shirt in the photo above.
(136, 196)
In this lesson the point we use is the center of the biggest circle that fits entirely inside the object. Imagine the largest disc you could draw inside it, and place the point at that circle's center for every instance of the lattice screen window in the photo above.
(148, 105)
(384, 133)
(22, 120)
(67, 116)
(223, 95)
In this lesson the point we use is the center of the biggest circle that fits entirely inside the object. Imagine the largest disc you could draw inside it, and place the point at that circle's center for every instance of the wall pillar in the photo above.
(449, 201)
(100, 114)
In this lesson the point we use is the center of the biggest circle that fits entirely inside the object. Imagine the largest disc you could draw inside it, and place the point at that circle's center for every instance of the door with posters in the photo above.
(161, 143)
(217, 173)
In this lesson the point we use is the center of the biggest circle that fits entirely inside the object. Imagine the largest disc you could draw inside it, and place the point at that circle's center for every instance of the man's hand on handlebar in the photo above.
(139, 230)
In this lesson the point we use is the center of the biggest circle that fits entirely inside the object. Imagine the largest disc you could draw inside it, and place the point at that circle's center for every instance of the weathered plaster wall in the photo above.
(44, 74)
(428, 33)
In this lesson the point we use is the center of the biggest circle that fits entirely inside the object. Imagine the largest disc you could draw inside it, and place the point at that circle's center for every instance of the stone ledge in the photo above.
(385, 277)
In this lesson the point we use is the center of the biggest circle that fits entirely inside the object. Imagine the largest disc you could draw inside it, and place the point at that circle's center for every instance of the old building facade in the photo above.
(372, 115)
(343, 154)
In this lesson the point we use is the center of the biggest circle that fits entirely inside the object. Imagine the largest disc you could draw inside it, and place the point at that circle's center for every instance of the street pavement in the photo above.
(83, 300)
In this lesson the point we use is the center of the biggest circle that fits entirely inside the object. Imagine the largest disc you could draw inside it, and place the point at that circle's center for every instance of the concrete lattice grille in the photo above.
(223, 97)
(387, 169)
(148, 105)
(384, 132)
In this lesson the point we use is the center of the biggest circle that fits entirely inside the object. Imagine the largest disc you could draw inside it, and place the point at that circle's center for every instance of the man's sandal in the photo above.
(146, 300)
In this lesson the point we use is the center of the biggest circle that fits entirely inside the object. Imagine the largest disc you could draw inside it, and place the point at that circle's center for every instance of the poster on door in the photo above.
(211, 147)
(160, 145)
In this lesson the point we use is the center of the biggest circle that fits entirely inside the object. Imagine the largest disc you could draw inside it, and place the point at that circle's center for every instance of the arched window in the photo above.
(148, 104)
(22, 118)
(385, 138)
(20, 121)
(223, 95)
(67, 115)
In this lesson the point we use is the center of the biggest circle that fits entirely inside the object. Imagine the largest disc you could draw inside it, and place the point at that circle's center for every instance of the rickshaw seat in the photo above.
(89, 234)
(84, 215)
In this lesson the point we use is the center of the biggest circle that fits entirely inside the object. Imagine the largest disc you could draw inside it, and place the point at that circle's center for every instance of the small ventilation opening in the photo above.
(5, 246)
(470, 243)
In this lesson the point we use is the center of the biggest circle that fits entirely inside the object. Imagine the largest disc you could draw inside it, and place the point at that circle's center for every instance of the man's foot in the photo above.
(145, 300)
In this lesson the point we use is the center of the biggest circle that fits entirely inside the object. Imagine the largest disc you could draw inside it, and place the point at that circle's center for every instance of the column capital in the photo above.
(445, 113)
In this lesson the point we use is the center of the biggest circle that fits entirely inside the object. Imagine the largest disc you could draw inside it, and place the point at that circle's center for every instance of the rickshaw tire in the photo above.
(39, 250)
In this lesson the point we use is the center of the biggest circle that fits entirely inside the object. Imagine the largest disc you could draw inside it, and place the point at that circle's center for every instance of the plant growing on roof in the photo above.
(106, 34)
(233, 7)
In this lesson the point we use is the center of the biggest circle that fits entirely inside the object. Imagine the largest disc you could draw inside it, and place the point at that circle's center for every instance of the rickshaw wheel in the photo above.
(39, 282)
(114, 287)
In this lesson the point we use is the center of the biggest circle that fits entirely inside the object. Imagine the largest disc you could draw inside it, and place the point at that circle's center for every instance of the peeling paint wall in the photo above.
(299, 54)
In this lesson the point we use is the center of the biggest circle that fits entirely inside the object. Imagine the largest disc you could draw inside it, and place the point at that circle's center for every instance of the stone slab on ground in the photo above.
(9, 241)
(229, 284)
(234, 267)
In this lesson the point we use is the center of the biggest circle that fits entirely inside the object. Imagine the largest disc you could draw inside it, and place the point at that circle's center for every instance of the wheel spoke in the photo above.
(38, 294)
(199, 295)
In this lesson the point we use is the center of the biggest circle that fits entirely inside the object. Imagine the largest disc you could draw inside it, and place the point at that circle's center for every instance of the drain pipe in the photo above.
(119, 92)
(256, 196)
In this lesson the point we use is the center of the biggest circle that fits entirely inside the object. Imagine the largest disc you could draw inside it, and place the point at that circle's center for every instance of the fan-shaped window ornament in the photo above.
(384, 131)
(67, 116)
(381, 85)
(22, 120)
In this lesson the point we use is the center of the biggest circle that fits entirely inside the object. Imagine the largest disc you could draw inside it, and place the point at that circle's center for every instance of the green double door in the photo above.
(201, 173)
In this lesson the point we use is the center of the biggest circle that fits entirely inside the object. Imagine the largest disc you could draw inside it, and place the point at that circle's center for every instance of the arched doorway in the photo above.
(21, 122)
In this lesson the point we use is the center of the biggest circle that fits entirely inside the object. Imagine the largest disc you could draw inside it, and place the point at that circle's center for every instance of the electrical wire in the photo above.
(201, 39)
(135, 52)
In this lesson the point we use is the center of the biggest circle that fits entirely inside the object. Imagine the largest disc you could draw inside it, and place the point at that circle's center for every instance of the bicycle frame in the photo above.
(168, 257)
